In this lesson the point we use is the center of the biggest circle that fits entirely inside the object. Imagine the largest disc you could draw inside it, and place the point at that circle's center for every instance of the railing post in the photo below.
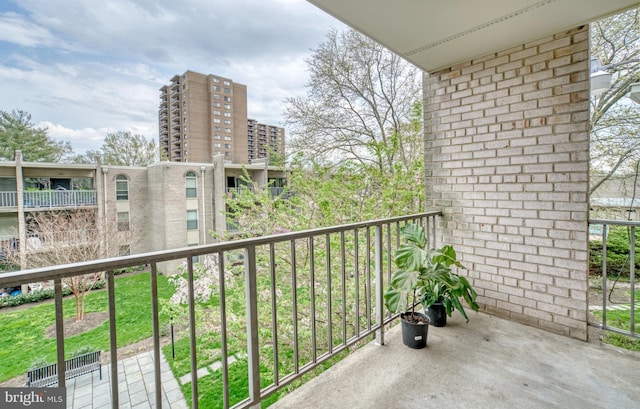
(192, 334)
(604, 275)
(377, 244)
(57, 288)
(252, 325)
(111, 287)
(632, 279)
(156, 335)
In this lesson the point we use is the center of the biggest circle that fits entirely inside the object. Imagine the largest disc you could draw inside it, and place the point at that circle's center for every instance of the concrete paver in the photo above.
(136, 386)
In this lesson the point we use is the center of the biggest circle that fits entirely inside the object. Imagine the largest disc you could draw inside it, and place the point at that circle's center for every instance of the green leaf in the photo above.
(414, 234)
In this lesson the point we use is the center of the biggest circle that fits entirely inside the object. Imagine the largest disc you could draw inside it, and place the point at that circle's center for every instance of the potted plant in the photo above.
(427, 276)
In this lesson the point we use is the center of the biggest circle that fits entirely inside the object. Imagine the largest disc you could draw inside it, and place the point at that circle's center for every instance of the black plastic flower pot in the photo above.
(415, 330)
(437, 314)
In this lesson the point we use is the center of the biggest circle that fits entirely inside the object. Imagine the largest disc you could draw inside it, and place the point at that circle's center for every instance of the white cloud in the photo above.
(87, 68)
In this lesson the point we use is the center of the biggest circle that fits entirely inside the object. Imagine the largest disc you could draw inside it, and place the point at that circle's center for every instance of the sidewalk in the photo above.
(136, 386)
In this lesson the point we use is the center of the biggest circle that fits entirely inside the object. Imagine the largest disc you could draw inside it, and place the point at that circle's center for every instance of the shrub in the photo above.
(618, 249)
(82, 350)
(40, 295)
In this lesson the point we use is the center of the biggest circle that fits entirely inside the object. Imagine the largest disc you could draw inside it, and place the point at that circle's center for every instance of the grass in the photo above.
(621, 319)
(208, 342)
(23, 340)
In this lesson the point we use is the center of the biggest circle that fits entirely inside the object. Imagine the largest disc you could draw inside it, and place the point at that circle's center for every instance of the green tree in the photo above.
(615, 122)
(17, 132)
(122, 148)
(360, 99)
(127, 149)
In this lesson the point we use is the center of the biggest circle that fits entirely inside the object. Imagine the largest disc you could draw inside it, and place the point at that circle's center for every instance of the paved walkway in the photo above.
(136, 386)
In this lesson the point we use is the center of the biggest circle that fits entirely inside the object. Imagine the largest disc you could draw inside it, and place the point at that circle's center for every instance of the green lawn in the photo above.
(23, 340)
(621, 319)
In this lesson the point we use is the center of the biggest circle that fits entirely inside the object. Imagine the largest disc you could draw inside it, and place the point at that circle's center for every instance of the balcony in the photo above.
(49, 198)
(8, 199)
(310, 296)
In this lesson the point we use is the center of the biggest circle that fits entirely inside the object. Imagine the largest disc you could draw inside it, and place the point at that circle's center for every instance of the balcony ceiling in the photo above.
(435, 34)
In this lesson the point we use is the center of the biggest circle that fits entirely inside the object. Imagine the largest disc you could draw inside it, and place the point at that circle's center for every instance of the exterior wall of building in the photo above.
(262, 138)
(507, 161)
(201, 116)
(239, 148)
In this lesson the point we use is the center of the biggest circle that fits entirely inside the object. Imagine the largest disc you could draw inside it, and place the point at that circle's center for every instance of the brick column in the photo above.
(507, 160)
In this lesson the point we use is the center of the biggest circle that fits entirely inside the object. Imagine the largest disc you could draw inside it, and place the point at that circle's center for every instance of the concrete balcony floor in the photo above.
(486, 363)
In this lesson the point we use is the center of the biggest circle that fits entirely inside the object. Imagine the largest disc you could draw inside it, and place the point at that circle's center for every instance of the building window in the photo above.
(216, 88)
(227, 83)
(226, 99)
(192, 185)
(216, 136)
(216, 79)
(227, 114)
(227, 122)
(123, 221)
(217, 145)
(227, 106)
(226, 138)
(122, 188)
(227, 90)
(192, 220)
(228, 130)
(227, 146)
(216, 120)
(216, 113)
(216, 96)
(217, 128)
(216, 104)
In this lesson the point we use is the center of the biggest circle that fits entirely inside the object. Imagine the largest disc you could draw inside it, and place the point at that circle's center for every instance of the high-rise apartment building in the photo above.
(202, 116)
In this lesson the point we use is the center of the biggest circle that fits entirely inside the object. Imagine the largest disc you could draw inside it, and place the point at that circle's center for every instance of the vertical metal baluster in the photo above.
(251, 294)
(192, 334)
(427, 222)
(312, 278)
(223, 332)
(57, 288)
(604, 275)
(368, 277)
(274, 313)
(294, 300)
(632, 273)
(156, 334)
(327, 245)
(379, 284)
(343, 270)
(111, 287)
(433, 231)
(356, 281)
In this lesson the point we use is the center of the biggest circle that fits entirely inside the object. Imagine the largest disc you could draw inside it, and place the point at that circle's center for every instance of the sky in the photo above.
(84, 68)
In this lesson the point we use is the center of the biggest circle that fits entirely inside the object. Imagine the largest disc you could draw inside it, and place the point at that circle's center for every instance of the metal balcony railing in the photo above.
(307, 297)
(59, 198)
(8, 199)
(624, 309)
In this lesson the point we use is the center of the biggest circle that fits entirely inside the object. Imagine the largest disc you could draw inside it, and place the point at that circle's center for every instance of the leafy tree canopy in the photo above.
(17, 132)
(615, 120)
(122, 148)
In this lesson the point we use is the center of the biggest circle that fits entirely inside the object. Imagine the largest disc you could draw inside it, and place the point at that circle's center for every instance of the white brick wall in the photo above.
(507, 161)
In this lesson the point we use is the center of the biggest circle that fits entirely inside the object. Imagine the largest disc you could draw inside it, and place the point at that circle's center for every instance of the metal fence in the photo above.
(284, 304)
(625, 305)
(8, 199)
(59, 198)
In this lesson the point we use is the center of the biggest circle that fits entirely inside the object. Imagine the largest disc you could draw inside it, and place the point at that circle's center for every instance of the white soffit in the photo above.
(435, 34)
